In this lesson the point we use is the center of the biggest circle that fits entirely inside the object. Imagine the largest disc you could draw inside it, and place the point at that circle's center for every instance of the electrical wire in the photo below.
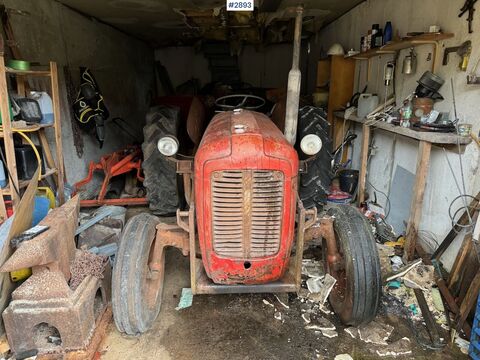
(387, 211)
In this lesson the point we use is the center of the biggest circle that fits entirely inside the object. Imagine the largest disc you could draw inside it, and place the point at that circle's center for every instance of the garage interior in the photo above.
(256, 179)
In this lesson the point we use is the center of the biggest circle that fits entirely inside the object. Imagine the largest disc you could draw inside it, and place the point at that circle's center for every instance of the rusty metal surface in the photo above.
(45, 304)
(289, 282)
(74, 317)
(55, 247)
(196, 120)
(247, 207)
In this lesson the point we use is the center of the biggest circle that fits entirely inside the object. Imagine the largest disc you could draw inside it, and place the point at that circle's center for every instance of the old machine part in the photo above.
(464, 51)
(245, 224)
(409, 66)
(38, 310)
(113, 165)
(428, 86)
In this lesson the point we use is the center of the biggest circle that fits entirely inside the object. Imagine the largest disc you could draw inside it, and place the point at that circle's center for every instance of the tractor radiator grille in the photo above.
(247, 210)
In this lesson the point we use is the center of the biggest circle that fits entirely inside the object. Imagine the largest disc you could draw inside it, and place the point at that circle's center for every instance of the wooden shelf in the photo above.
(405, 43)
(24, 183)
(428, 136)
(29, 128)
(27, 72)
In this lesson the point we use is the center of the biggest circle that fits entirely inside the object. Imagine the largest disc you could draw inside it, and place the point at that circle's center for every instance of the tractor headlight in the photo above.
(311, 144)
(168, 145)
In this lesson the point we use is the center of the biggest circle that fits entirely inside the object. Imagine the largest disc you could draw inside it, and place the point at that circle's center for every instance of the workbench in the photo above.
(425, 141)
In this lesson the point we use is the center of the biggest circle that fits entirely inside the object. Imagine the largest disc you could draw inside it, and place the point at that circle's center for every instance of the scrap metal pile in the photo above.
(59, 307)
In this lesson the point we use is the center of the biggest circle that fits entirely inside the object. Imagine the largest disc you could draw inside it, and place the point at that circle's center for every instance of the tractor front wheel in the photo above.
(136, 293)
(356, 295)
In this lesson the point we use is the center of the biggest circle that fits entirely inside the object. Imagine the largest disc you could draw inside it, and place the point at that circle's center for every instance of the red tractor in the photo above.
(242, 221)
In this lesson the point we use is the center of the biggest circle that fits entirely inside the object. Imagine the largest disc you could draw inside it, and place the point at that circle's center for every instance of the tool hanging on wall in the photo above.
(470, 7)
(473, 78)
(464, 51)
(89, 107)
(410, 63)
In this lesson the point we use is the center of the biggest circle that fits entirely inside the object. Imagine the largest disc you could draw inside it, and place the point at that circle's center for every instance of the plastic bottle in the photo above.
(46, 105)
(3, 179)
(387, 33)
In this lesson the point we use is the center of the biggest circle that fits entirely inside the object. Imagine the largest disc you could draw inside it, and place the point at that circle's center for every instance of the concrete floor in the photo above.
(240, 327)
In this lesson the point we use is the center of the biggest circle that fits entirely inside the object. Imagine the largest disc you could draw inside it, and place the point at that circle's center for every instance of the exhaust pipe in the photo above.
(294, 80)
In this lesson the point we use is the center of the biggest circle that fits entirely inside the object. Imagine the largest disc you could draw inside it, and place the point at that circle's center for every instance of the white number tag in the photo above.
(240, 5)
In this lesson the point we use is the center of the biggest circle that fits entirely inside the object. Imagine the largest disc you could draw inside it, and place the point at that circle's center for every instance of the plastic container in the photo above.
(348, 180)
(27, 162)
(366, 104)
(40, 209)
(474, 350)
(387, 33)
(46, 192)
(46, 105)
(3, 179)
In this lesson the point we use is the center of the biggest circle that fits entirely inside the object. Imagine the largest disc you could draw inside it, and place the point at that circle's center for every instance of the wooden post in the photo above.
(11, 164)
(423, 160)
(58, 131)
(363, 163)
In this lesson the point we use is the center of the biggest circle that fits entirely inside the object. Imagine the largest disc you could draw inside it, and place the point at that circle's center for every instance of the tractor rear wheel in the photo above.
(356, 295)
(160, 173)
(136, 295)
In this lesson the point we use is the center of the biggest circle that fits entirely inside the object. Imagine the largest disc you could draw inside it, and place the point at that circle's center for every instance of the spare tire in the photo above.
(160, 173)
(315, 182)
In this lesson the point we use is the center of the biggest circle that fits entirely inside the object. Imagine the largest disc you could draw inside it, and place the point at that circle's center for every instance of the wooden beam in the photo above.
(58, 131)
(423, 160)
(11, 164)
(363, 163)
(469, 301)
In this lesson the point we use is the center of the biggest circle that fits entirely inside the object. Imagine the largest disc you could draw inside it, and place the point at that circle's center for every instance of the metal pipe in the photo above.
(294, 81)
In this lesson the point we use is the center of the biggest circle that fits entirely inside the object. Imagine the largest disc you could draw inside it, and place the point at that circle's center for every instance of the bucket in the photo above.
(348, 180)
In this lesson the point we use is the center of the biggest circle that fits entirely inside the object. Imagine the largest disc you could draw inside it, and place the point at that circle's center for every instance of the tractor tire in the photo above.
(160, 173)
(315, 182)
(133, 311)
(355, 297)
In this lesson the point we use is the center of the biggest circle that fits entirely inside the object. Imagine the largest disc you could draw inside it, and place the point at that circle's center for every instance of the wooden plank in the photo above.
(405, 43)
(42, 138)
(21, 86)
(362, 180)
(452, 305)
(469, 301)
(3, 209)
(423, 160)
(22, 221)
(58, 132)
(458, 268)
(452, 234)
(323, 72)
(11, 164)
(429, 136)
(341, 90)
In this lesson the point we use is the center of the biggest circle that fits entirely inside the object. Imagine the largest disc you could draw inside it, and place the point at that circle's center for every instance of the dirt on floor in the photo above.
(218, 327)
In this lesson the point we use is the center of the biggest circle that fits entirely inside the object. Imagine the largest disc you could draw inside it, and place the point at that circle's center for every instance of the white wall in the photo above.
(411, 15)
(122, 66)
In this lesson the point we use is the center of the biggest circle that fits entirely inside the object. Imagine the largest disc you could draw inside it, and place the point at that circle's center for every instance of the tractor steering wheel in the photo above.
(243, 99)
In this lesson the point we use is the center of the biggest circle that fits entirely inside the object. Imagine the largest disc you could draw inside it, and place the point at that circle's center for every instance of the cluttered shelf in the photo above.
(405, 43)
(29, 128)
(24, 183)
(431, 137)
(28, 72)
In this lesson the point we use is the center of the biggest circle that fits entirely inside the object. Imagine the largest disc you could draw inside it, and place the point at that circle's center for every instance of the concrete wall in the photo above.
(411, 15)
(122, 66)
(267, 67)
